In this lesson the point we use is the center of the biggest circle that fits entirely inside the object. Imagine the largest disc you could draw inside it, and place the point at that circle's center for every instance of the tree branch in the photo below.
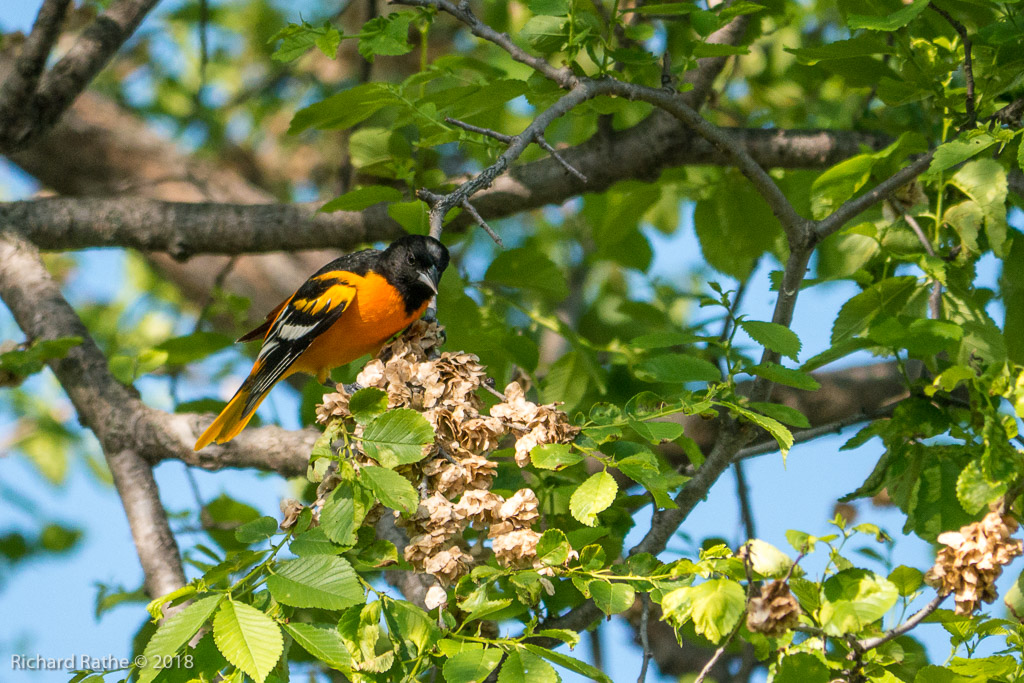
(20, 85)
(186, 228)
(59, 86)
(968, 68)
(109, 409)
(914, 620)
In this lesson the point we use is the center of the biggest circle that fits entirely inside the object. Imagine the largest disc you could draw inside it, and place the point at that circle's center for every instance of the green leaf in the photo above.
(391, 488)
(570, 663)
(530, 270)
(954, 152)
(773, 336)
(323, 642)
(367, 404)
(802, 667)
(984, 181)
(554, 8)
(522, 666)
(1014, 598)
(248, 638)
(766, 559)
(782, 435)
(257, 530)
(906, 579)
(553, 548)
(386, 35)
(677, 368)
(472, 665)
(975, 491)
(855, 598)
(314, 542)
(839, 183)
(888, 296)
(715, 607)
(545, 34)
(567, 380)
(175, 632)
(554, 456)
(783, 375)
(24, 362)
(889, 22)
(612, 598)
(592, 497)
(362, 198)
(657, 431)
(660, 340)
(298, 39)
(735, 226)
(865, 45)
(398, 437)
(344, 512)
(192, 347)
(344, 109)
(784, 414)
(323, 581)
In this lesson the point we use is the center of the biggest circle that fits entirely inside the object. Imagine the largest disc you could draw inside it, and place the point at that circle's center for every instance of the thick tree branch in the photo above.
(905, 627)
(182, 229)
(59, 86)
(108, 408)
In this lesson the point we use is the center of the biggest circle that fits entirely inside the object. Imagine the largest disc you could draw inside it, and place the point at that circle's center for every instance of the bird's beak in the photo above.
(430, 278)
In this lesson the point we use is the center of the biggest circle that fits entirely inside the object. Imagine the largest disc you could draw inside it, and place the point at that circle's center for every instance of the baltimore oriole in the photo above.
(348, 308)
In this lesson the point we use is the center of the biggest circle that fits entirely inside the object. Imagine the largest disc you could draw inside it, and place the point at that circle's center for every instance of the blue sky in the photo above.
(48, 605)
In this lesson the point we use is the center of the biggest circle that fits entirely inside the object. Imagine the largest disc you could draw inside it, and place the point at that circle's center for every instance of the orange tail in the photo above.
(232, 419)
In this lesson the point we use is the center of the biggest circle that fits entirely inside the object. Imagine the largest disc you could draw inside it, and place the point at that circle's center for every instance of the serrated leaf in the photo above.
(954, 152)
(802, 667)
(773, 336)
(855, 598)
(323, 642)
(889, 22)
(391, 488)
(570, 663)
(715, 607)
(528, 269)
(257, 530)
(522, 666)
(553, 548)
(553, 456)
(781, 435)
(367, 404)
(839, 183)
(906, 579)
(362, 198)
(677, 368)
(784, 414)
(314, 542)
(344, 109)
(783, 375)
(344, 512)
(192, 347)
(471, 665)
(974, 491)
(323, 581)
(247, 638)
(398, 437)
(612, 598)
(592, 497)
(386, 36)
(175, 632)
(888, 296)
(766, 559)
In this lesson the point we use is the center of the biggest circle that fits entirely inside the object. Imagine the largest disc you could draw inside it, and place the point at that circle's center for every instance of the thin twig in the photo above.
(539, 139)
(914, 620)
(482, 223)
(743, 495)
(935, 298)
(500, 137)
(968, 67)
(645, 637)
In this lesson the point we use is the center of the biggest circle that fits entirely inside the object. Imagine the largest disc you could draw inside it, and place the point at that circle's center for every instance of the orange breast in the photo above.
(376, 313)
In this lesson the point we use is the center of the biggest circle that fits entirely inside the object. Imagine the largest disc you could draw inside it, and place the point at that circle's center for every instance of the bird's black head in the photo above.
(414, 265)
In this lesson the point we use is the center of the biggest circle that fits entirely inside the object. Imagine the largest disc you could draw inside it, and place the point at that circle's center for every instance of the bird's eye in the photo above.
(411, 260)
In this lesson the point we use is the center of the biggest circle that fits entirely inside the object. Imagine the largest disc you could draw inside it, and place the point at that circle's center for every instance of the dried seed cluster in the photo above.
(774, 611)
(973, 559)
(457, 476)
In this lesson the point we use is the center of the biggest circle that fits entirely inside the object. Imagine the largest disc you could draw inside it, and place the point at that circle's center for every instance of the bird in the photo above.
(345, 310)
